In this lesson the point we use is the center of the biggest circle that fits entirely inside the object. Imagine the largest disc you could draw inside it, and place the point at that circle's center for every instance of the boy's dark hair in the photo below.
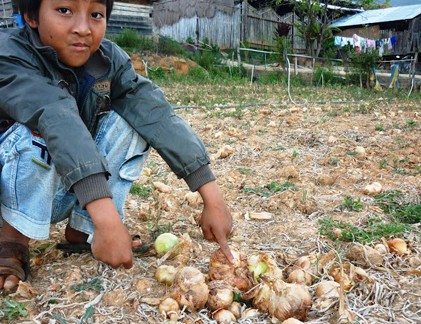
(31, 7)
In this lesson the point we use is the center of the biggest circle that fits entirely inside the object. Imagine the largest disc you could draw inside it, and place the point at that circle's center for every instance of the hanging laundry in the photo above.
(356, 42)
(347, 41)
(393, 42)
(371, 43)
(337, 41)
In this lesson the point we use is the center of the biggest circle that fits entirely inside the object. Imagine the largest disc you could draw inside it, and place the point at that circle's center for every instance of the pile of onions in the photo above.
(234, 274)
(189, 288)
(280, 299)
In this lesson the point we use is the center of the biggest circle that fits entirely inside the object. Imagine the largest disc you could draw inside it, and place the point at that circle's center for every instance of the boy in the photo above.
(76, 124)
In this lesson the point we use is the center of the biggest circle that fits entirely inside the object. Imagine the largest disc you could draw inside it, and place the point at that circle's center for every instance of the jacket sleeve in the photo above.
(145, 108)
(32, 99)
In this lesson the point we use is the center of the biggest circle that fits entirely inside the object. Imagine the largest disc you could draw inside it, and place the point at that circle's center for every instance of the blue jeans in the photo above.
(32, 194)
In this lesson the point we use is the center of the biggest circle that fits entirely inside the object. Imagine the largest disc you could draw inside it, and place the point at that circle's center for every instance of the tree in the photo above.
(316, 17)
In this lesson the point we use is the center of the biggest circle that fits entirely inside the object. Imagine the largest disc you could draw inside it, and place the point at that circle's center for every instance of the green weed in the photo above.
(379, 128)
(271, 188)
(376, 228)
(246, 171)
(391, 202)
(90, 284)
(139, 190)
(11, 309)
(351, 204)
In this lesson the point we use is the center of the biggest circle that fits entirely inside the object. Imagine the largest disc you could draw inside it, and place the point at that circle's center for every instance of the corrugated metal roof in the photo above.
(379, 16)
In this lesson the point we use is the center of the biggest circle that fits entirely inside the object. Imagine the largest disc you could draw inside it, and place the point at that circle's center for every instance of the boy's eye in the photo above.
(64, 11)
(97, 15)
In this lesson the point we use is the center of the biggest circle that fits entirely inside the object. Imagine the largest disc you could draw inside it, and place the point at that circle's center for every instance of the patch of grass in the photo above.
(11, 309)
(245, 171)
(411, 124)
(391, 203)
(139, 190)
(334, 161)
(130, 40)
(351, 204)
(383, 164)
(376, 228)
(379, 128)
(271, 188)
(90, 284)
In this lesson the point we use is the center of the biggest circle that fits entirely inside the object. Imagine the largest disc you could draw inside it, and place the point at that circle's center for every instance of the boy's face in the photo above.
(74, 28)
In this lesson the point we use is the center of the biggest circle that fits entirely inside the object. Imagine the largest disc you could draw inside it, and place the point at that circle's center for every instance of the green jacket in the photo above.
(38, 91)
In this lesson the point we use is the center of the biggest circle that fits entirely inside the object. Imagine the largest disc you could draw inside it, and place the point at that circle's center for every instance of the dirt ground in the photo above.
(315, 147)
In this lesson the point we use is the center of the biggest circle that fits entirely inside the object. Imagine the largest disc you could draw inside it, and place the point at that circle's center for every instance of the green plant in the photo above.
(411, 124)
(379, 128)
(363, 63)
(11, 309)
(383, 164)
(139, 190)
(351, 204)
(375, 228)
(246, 171)
(130, 40)
(270, 188)
(168, 46)
(90, 284)
(392, 203)
(334, 161)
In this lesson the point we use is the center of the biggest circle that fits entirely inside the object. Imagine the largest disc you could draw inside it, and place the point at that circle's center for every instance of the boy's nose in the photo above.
(82, 25)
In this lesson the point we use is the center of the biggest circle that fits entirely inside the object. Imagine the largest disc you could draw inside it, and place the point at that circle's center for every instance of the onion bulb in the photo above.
(398, 246)
(289, 300)
(300, 276)
(164, 242)
(190, 289)
(223, 316)
(169, 309)
(165, 274)
(327, 289)
(263, 264)
(234, 274)
(282, 300)
(221, 294)
(235, 308)
(250, 313)
(291, 321)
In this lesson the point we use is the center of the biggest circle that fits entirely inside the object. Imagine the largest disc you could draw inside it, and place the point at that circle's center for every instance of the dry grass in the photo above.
(310, 145)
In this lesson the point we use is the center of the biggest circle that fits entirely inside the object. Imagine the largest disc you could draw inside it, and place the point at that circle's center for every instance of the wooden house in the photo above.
(402, 24)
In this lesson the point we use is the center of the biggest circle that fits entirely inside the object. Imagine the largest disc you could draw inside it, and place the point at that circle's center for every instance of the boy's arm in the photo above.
(216, 221)
(112, 243)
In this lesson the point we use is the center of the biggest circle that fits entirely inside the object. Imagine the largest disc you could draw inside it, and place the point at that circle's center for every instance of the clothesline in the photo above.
(362, 44)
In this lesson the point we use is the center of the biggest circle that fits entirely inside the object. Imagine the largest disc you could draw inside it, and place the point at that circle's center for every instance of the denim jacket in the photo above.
(37, 90)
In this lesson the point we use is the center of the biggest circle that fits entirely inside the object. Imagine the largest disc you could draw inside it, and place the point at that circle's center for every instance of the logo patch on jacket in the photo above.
(103, 86)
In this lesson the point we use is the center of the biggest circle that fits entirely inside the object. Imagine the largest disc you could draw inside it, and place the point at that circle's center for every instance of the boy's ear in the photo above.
(31, 22)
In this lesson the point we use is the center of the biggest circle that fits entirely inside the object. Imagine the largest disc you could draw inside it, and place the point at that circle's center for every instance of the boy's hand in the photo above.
(112, 243)
(216, 221)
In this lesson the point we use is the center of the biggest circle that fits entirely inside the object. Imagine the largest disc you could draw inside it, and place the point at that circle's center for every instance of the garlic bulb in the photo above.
(189, 288)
